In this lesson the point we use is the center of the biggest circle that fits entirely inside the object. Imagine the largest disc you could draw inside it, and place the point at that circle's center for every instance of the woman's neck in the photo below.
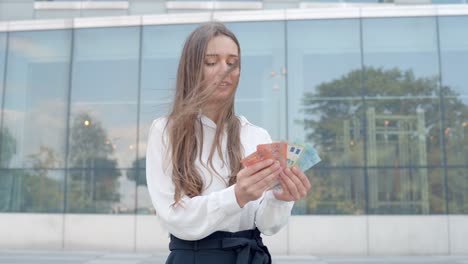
(213, 115)
(212, 110)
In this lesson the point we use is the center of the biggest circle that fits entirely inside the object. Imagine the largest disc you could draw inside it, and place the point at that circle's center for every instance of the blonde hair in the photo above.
(184, 126)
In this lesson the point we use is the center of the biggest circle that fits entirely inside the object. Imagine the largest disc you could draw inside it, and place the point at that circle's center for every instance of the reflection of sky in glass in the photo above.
(105, 84)
(319, 51)
(454, 61)
(253, 98)
(161, 46)
(403, 43)
(261, 94)
(127, 193)
(454, 53)
(36, 91)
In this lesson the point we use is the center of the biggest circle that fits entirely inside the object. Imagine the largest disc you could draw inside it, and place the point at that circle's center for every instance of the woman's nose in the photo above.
(225, 66)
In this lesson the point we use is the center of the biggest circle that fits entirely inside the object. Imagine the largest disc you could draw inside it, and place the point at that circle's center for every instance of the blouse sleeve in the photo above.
(193, 218)
(272, 214)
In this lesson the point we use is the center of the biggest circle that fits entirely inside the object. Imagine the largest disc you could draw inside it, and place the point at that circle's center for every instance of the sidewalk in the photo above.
(87, 257)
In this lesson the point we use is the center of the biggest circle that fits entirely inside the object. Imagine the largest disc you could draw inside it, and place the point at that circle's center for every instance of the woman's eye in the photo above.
(232, 63)
(208, 63)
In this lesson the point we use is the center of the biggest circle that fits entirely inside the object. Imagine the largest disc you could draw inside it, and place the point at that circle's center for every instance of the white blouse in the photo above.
(217, 208)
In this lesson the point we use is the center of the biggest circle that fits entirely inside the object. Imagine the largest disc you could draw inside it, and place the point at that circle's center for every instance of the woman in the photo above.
(214, 208)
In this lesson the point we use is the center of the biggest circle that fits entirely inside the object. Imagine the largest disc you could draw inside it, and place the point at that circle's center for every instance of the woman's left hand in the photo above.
(294, 185)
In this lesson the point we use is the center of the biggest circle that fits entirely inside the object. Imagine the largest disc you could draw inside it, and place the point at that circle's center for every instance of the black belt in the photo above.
(245, 243)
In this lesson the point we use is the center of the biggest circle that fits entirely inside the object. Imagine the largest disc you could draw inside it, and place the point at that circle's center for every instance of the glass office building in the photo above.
(381, 91)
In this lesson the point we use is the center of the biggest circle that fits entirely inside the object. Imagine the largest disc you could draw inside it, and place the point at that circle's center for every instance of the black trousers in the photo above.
(244, 247)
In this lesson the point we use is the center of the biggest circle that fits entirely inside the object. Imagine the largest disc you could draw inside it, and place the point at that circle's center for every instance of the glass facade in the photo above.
(383, 100)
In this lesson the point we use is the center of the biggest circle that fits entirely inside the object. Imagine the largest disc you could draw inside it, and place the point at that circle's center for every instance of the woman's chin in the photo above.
(223, 93)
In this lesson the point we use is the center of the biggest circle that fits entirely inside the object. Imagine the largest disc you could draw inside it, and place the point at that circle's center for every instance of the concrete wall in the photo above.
(305, 235)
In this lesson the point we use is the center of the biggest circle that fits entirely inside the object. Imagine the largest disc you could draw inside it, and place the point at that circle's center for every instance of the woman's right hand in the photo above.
(253, 180)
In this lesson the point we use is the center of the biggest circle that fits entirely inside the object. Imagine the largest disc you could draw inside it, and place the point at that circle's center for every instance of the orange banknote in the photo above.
(255, 157)
(278, 150)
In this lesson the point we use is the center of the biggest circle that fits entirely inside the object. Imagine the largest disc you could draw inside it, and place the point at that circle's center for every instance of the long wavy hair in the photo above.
(184, 127)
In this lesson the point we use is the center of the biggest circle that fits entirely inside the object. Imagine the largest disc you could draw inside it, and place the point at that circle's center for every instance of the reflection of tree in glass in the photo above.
(88, 143)
(41, 191)
(401, 93)
(7, 182)
(45, 159)
(94, 186)
(336, 116)
(8, 147)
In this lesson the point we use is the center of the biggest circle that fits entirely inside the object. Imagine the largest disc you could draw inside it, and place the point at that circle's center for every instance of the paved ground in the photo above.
(85, 257)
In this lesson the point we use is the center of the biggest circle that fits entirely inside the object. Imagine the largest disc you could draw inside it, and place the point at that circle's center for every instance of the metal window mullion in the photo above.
(3, 94)
(68, 117)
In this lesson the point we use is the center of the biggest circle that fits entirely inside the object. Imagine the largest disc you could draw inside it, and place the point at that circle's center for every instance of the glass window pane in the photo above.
(261, 94)
(35, 191)
(144, 204)
(36, 92)
(104, 98)
(403, 132)
(458, 190)
(406, 191)
(407, 47)
(102, 191)
(162, 46)
(402, 88)
(337, 128)
(456, 129)
(454, 60)
(324, 63)
(334, 191)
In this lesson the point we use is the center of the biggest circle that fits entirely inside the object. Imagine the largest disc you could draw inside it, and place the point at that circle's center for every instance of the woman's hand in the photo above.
(294, 185)
(252, 181)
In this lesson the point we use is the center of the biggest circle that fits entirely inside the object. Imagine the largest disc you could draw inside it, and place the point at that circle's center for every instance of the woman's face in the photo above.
(221, 56)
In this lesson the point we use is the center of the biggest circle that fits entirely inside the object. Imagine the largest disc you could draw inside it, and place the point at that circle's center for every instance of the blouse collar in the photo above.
(206, 121)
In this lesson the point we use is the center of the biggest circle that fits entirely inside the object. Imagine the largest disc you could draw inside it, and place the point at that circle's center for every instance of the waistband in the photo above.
(248, 245)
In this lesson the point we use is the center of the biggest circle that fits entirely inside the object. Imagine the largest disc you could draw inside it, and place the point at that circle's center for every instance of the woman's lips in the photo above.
(225, 84)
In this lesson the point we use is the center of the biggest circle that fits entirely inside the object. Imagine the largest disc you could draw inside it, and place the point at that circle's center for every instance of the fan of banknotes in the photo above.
(303, 156)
